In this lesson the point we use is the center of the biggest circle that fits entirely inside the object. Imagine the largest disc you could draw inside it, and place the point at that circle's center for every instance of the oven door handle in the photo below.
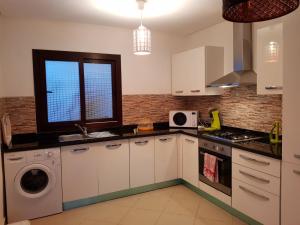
(219, 159)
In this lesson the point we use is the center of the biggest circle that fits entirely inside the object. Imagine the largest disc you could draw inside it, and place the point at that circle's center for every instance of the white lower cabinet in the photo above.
(290, 199)
(112, 166)
(79, 172)
(256, 203)
(141, 161)
(190, 167)
(165, 158)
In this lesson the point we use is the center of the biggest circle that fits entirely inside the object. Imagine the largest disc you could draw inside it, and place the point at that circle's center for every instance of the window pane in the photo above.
(63, 91)
(98, 91)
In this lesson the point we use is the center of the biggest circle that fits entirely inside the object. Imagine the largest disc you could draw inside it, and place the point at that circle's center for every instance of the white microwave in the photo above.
(186, 119)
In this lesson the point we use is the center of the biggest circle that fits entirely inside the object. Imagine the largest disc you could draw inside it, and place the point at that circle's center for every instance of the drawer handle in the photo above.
(253, 193)
(188, 140)
(296, 172)
(178, 92)
(165, 139)
(16, 159)
(273, 88)
(195, 91)
(255, 160)
(141, 142)
(255, 177)
(80, 149)
(114, 146)
(297, 156)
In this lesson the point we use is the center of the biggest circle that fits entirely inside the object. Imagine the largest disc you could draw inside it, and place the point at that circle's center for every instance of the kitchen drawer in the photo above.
(256, 162)
(257, 204)
(258, 179)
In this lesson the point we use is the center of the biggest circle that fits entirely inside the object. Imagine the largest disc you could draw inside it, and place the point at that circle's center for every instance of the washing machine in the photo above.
(33, 184)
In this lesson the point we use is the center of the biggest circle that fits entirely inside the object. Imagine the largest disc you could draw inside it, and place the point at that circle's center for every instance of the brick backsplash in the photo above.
(239, 107)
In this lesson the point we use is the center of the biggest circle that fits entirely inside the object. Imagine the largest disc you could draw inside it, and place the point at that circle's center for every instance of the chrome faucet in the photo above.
(82, 129)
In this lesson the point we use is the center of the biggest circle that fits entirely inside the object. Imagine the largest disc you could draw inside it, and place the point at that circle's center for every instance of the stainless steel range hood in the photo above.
(243, 73)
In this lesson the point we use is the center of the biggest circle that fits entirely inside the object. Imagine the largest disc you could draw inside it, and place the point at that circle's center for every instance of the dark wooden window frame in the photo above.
(39, 69)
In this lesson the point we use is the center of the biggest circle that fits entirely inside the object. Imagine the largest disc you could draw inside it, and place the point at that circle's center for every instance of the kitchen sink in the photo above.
(79, 137)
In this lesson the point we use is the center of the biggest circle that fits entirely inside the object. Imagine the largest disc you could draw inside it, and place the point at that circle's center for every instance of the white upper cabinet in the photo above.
(192, 70)
(165, 158)
(269, 50)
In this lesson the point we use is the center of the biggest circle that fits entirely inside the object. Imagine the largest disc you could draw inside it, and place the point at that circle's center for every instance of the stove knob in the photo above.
(205, 144)
(49, 154)
(222, 149)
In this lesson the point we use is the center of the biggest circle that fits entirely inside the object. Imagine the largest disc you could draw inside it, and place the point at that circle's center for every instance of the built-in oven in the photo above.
(223, 159)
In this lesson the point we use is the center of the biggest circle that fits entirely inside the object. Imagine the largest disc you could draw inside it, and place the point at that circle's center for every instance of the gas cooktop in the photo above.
(233, 136)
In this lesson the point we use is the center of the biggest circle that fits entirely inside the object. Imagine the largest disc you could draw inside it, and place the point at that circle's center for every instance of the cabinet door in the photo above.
(165, 158)
(290, 199)
(113, 166)
(141, 161)
(190, 167)
(270, 59)
(79, 172)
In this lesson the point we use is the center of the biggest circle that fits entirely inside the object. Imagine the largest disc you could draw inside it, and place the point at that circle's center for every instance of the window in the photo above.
(72, 87)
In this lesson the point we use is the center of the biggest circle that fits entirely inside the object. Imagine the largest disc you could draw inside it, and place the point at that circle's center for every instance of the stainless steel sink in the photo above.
(79, 137)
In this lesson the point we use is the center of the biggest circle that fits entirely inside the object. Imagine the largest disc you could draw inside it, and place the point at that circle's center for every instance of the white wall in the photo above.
(218, 35)
(140, 74)
(2, 86)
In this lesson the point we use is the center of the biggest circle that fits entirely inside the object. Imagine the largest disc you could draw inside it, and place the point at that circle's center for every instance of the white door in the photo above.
(190, 167)
(290, 199)
(79, 172)
(141, 161)
(113, 166)
(165, 158)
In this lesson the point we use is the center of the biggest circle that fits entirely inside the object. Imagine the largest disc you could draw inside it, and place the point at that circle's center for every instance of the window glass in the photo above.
(63, 91)
(98, 91)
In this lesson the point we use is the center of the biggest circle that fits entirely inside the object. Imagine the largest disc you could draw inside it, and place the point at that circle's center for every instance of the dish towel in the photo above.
(211, 168)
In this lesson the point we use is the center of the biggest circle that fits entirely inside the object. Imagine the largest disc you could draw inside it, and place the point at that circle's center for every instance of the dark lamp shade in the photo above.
(247, 11)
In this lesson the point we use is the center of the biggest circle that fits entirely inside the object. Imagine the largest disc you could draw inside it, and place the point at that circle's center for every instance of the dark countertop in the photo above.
(33, 142)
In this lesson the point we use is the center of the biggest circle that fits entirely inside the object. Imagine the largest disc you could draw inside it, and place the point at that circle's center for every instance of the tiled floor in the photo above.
(170, 206)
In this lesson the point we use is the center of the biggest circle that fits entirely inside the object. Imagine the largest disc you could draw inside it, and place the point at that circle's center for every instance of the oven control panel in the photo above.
(215, 147)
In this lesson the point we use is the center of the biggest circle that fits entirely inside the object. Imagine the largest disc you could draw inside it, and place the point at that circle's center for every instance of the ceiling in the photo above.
(180, 17)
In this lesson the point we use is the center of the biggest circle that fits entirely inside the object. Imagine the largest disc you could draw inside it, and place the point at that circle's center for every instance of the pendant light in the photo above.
(142, 35)
(247, 11)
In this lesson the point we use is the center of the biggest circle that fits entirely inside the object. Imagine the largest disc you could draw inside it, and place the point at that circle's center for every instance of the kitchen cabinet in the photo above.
(190, 167)
(269, 50)
(165, 158)
(192, 70)
(141, 161)
(290, 194)
(79, 172)
(112, 166)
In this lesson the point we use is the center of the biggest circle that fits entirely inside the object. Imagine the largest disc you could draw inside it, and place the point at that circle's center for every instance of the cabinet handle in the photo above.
(254, 160)
(16, 159)
(80, 149)
(164, 139)
(273, 88)
(178, 92)
(114, 146)
(296, 172)
(195, 91)
(141, 142)
(297, 156)
(255, 177)
(188, 140)
(253, 193)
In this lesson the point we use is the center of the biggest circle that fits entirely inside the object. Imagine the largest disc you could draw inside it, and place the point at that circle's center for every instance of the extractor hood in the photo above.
(243, 73)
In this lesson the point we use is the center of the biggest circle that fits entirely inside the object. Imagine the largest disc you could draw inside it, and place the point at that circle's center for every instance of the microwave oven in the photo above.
(184, 119)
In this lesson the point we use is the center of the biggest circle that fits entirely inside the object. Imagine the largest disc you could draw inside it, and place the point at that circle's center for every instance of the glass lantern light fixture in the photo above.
(248, 11)
(142, 35)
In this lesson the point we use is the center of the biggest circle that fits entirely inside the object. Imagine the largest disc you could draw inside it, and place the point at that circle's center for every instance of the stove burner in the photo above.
(233, 136)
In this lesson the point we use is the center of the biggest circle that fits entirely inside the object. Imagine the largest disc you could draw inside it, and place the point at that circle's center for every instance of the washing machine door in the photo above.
(34, 181)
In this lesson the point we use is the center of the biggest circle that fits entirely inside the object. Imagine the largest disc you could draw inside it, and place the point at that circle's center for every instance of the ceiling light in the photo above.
(246, 11)
(127, 8)
(142, 35)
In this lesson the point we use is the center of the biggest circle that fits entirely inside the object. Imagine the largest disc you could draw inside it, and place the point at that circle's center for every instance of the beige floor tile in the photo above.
(236, 221)
(175, 219)
(180, 205)
(91, 222)
(140, 217)
(202, 221)
(152, 202)
(66, 218)
(105, 212)
(124, 202)
(207, 210)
